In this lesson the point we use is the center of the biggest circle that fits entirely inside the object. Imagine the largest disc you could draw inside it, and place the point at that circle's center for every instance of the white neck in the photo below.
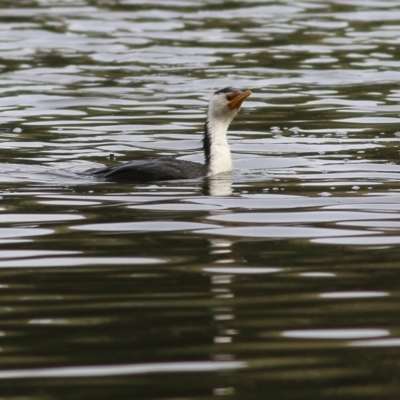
(216, 148)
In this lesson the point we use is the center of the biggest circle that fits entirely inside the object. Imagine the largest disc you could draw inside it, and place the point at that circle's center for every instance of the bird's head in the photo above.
(226, 103)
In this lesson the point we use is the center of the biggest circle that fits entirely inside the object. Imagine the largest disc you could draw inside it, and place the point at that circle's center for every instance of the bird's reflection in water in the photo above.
(218, 185)
(223, 312)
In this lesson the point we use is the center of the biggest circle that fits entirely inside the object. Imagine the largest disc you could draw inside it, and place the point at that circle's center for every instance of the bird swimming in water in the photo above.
(223, 107)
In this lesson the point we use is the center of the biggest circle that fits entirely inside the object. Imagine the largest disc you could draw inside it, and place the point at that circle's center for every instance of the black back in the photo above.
(153, 169)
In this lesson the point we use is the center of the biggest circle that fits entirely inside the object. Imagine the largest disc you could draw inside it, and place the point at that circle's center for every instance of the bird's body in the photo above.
(224, 105)
(151, 169)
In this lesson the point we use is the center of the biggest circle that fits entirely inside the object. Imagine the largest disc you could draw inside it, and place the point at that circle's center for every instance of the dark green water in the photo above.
(279, 281)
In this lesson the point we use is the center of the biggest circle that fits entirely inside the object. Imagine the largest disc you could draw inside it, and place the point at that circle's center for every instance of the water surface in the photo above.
(278, 280)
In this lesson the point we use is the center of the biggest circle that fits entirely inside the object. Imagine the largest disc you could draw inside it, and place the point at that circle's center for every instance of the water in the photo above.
(279, 280)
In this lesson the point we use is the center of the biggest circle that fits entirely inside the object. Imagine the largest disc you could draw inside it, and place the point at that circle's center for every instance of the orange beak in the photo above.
(238, 99)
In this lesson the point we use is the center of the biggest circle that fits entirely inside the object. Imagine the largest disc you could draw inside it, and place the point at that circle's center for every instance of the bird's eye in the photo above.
(229, 97)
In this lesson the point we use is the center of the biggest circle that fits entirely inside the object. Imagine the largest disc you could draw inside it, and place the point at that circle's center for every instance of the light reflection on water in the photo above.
(278, 279)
